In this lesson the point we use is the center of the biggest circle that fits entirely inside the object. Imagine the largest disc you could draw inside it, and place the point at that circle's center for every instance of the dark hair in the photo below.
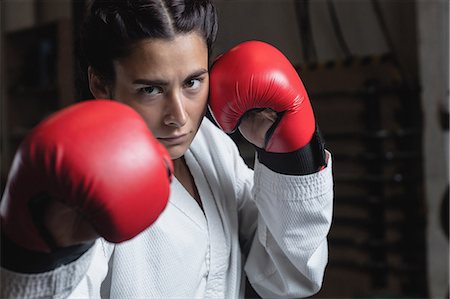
(112, 27)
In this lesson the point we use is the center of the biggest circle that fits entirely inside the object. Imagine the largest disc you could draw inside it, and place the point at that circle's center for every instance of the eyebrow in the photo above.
(195, 74)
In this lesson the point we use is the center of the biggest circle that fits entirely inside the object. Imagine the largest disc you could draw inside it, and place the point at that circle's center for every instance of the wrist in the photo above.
(308, 159)
(18, 259)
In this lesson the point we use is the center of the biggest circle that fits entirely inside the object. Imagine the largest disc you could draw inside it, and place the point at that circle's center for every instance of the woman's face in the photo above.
(167, 82)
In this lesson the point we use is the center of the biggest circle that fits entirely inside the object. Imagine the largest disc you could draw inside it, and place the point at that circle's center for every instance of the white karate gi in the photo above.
(267, 226)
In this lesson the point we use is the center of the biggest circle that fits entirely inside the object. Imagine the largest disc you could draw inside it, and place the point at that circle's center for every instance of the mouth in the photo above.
(174, 139)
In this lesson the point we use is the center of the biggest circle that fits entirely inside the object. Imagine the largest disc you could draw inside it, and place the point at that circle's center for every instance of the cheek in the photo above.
(198, 108)
(151, 116)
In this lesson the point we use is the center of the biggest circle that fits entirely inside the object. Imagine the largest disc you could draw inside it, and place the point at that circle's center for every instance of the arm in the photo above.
(62, 281)
(71, 181)
(289, 251)
(255, 89)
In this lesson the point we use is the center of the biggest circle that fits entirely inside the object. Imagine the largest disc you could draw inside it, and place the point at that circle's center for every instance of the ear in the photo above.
(98, 86)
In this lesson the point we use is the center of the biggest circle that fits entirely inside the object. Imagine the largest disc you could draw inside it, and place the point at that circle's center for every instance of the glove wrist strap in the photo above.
(18, 259)
(306, 160)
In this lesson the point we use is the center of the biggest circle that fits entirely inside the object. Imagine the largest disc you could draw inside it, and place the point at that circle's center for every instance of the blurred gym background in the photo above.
(377, 72)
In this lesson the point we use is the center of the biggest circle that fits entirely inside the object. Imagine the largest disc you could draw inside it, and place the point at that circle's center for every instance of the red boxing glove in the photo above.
(97, 157)
(256, 75)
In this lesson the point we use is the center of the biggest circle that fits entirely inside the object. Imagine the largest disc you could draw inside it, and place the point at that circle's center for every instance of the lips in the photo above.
(174, 139)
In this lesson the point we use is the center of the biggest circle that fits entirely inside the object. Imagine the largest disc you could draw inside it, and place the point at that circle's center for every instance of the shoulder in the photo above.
(215, 150)
(207, 127)
(211, 137)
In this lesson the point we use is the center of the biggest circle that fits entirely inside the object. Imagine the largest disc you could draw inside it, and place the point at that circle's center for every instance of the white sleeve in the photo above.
(289, 251)
(79, 279)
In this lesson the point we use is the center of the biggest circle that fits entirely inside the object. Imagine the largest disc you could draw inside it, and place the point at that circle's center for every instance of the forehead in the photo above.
(184, 52)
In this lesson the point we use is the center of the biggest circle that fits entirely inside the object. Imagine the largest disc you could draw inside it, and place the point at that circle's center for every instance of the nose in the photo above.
(175, 115)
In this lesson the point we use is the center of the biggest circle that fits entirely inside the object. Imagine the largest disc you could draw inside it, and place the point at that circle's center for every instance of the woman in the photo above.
(224, 221)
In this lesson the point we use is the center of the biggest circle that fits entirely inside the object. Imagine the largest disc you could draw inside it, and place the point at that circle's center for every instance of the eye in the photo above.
(193, 83)
(151, 90)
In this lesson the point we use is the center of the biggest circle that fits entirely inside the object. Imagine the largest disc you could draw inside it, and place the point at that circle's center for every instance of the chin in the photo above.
(177, 152)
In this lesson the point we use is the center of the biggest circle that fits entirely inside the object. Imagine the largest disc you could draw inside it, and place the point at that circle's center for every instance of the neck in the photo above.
(183, 175)
(179, 167)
